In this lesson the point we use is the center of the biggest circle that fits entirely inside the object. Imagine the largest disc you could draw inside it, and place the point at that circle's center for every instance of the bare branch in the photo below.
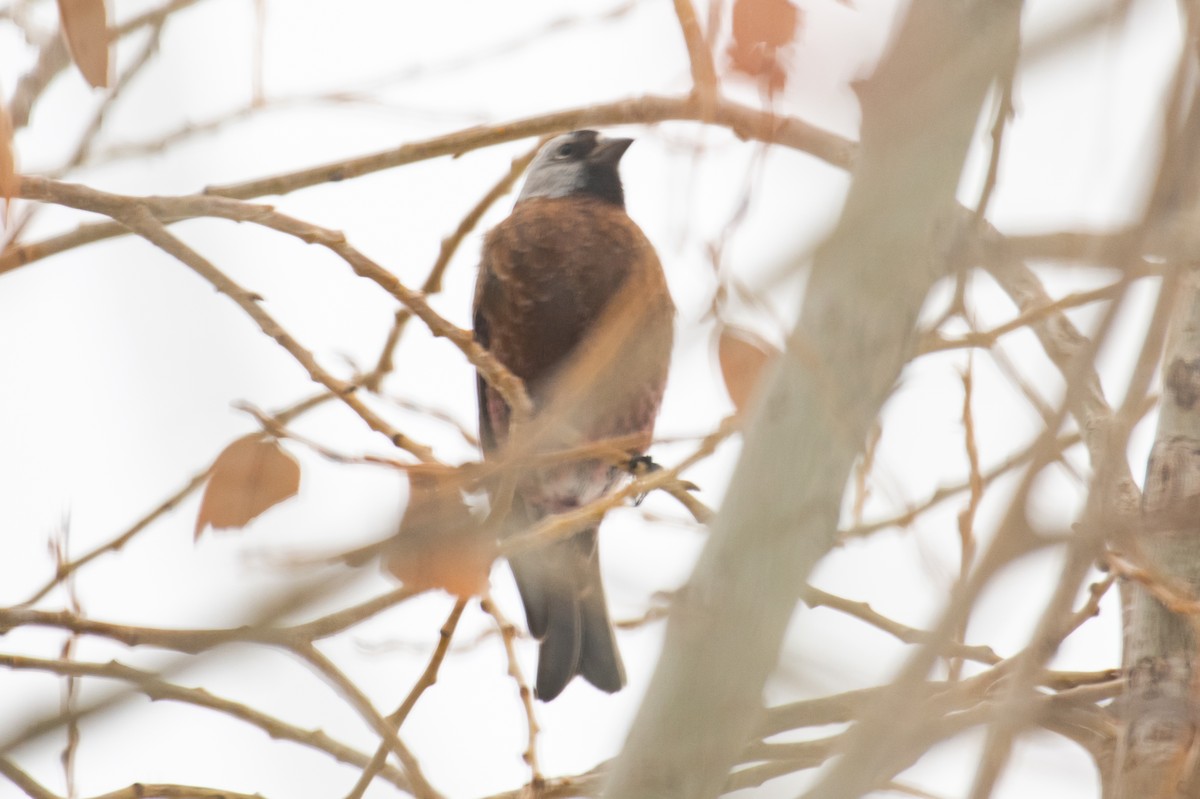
(854, 335)
(397, 717)
(157, 689)
(704, 74)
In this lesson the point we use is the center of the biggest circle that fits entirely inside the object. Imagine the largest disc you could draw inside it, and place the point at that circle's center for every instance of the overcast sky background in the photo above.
(120, 365)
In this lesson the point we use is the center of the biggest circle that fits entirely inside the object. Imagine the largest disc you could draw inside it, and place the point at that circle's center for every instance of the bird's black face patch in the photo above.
(604, 183)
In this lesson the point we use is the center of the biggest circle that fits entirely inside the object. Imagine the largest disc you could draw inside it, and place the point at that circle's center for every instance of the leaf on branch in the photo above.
(249, 477)
(8, 163)
(761, 28)
(744, 358)
(440, 544)
(85, 26)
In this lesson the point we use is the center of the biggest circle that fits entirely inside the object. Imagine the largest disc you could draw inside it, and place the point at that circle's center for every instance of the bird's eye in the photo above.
(565, 150)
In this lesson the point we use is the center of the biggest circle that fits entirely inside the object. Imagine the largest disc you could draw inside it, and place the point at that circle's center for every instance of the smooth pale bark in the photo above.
(854, 334)
(1158, 753)
(1159, 749)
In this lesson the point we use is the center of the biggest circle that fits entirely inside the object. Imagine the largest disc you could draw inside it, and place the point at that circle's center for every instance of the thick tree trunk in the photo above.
(854, 335)
(1161, 743)
(1159, 752)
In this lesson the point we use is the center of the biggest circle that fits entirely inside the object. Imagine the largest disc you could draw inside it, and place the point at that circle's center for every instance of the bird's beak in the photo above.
(609, 151)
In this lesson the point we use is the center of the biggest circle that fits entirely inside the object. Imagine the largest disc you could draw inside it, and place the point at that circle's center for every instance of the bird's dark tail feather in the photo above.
(599, 659)
(566, 610)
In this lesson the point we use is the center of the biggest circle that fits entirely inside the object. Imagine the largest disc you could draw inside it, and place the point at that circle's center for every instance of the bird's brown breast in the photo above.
(548, 276)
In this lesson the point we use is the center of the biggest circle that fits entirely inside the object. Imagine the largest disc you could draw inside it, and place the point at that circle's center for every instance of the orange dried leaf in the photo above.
(761, 28)
(439, 544)
(765, 23)
(249, 477)
(744, 358)
(85, 26)
(8, 163)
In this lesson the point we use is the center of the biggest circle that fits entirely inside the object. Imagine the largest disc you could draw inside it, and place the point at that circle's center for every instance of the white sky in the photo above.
(120, 366)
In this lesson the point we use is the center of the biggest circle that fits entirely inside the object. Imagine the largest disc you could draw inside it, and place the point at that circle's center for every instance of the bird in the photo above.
(571, 297)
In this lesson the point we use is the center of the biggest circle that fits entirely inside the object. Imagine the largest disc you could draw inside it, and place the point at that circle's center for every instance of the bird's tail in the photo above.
(566, 610)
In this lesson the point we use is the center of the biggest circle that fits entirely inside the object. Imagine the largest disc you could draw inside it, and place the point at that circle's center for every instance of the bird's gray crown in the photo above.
(580, 163)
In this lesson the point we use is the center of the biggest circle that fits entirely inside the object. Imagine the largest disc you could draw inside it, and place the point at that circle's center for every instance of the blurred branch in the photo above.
(140, 790)
(559, 526)
(168, 208)
(815, 598)
(297, 639)
(64, 570)
(744, 121)
(1012, 695)
(704, 74)
(450, 244)
(383, 727)
(139, 63)
(1071, 352)
(508, 634)
(1017, 707)
(362, 92)
(984, 339)
(855, 333)
(54, 58)
(88, 136)
(1004, 114)
(145, 224)
(953, 707)
(946, 493)
(199, 640)
(878, 744)
(28, 784)
(147, 214)
(397, 717)
(947, 709)
(158, 689)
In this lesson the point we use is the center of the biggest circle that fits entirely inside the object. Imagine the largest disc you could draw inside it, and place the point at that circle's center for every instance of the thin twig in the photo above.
(966, 517)
(149, 215)
(139, 790)
(450, 244)
(382, 726)
(508, 634)
(397, 717)
(63, 571)
(145, 224)
(158, 689)
(815, 597)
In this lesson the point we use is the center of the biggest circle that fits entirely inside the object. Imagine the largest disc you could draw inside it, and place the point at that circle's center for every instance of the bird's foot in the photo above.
(641, 465)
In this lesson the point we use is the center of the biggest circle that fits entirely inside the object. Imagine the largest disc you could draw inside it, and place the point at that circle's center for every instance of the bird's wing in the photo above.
(487, 435)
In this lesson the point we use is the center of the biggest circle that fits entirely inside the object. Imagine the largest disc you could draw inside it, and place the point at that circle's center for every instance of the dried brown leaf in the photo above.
(760, 29)
(249, 477)
(771, 23)
(85, 26)
(439, 544)
(744, 358)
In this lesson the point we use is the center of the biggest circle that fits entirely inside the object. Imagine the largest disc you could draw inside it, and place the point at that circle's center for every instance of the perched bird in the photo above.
(571, 298)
